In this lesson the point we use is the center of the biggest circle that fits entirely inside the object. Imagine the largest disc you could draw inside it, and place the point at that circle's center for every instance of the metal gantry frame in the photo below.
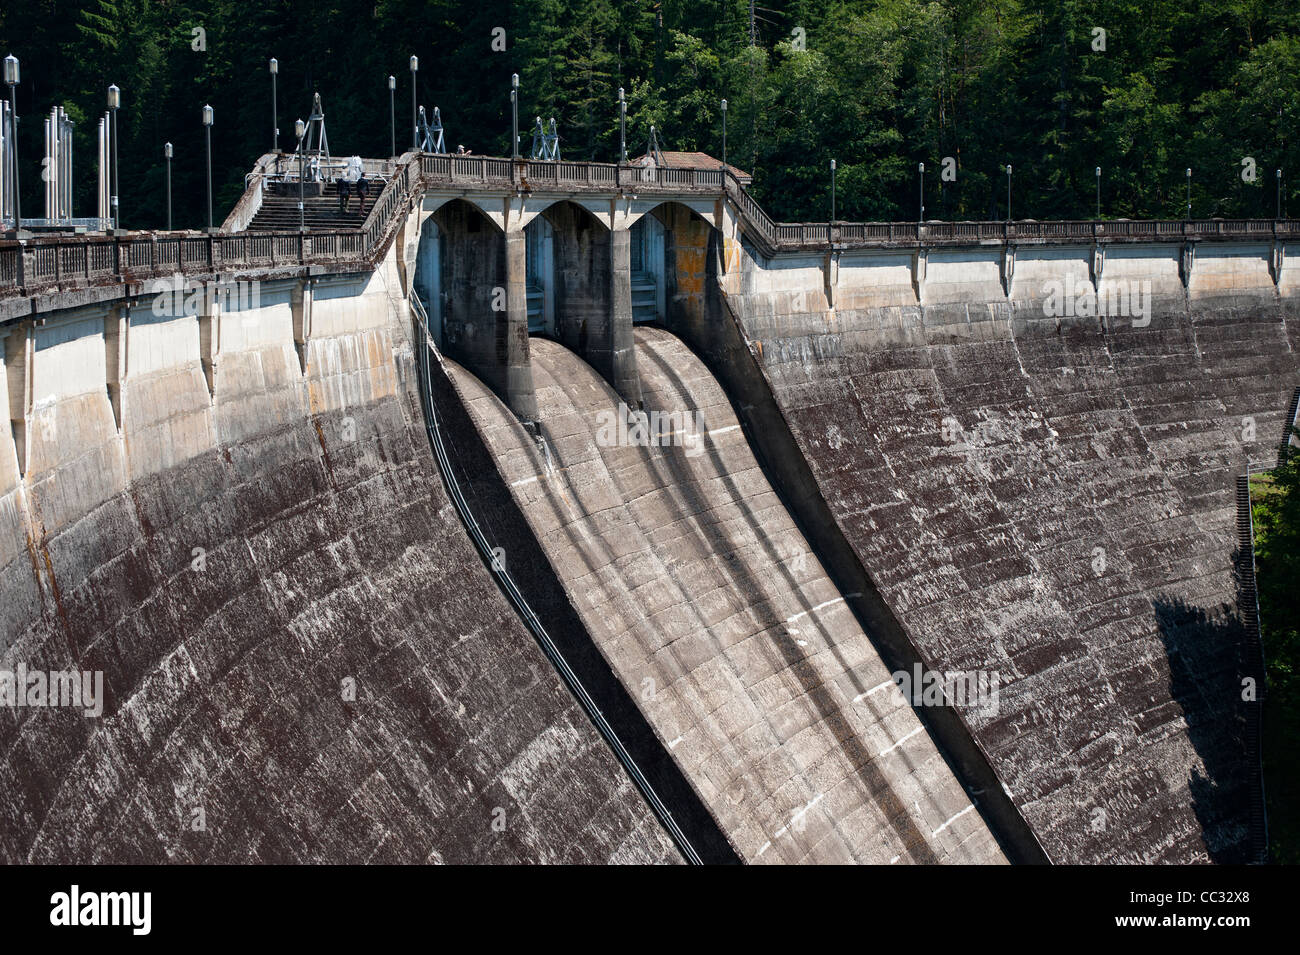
(652, 148)
(546, 141)
(430, 139)
(314, 143)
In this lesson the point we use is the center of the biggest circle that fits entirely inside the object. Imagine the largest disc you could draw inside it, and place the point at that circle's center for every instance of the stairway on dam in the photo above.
(704, 598)
(279, 213)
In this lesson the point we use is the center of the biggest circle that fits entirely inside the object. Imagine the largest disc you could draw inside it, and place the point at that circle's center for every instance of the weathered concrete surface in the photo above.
(485, 301)
(593, 294)
(228, 560)
(1052, 500)
(704, 598)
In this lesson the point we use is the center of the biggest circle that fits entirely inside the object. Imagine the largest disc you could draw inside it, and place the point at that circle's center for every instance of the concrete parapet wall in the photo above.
(1237, 271)
(1155, 263)
(1288, 258)
(963, 276)
(1037, 268)
(876, 280)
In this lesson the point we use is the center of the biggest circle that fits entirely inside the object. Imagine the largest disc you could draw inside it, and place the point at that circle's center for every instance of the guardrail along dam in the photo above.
(574, 512)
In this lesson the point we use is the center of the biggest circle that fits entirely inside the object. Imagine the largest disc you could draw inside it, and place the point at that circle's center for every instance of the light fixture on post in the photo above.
(114, 101)
(415, 122)
(1279, 193)
(207, 125)
(1098, 192)
(622, 126)
(300, 130)
(920, 217)
(11, 80)
(1189, 192)
(275, 107)
(724, 143)
(514, 116)
(832, 191)
(392, 114)
(1008, 192)
(167, 154)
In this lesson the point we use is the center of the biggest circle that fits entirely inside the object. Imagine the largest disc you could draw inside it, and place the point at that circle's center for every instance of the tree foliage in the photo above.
(1277, 560)
(879, 85)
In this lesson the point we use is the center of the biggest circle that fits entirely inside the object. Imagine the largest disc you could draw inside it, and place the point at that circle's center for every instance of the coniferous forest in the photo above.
(1054, 88)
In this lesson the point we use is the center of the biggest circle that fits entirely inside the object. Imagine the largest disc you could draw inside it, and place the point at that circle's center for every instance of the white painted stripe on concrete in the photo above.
(953, 819)
(902, 741)
(874, 690)
(820, 606)
(794, 820)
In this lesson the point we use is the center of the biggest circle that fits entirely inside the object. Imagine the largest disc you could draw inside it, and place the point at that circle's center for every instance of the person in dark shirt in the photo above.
(345, 193)
(363, 189)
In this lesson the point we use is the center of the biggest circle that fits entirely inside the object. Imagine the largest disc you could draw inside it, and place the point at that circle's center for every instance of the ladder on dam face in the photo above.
(427, 350)
(1288, 423)
(1252, 663)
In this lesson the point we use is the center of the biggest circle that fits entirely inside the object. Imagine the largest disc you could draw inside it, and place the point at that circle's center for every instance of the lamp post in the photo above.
(11, 80)
(622, 126)
(832, 190)
(920, 216)
(415, 123)
(114, 101)
(1008, 192)
(167, 154)
(207, 125)
(392, 114)
(275, 106)
(300, 129)
(1279, 193)
(514, 115)
(1098, 171)
(1189, 192)
(724, 140)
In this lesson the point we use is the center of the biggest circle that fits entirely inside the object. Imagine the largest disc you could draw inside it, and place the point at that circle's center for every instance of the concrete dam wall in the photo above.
(700, 591)
(1049, 496)
(235, 516)
(988, 449)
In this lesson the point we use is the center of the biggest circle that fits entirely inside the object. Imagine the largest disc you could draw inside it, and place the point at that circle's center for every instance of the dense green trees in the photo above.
(1277, 558)
(877, 84)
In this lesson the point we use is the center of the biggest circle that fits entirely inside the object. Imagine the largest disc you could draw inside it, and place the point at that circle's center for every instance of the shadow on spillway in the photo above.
(713, 539)
(1204, 656)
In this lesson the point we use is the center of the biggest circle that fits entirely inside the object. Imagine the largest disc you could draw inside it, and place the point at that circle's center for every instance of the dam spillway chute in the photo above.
(703, 597)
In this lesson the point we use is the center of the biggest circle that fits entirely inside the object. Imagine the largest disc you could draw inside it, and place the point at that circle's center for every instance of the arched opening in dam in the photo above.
(646, 262)
(649, 269)
(461, 267)
(471, 275)
(581, 291)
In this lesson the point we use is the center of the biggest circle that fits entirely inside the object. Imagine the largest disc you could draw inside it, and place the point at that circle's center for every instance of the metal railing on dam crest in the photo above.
(58, 263)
